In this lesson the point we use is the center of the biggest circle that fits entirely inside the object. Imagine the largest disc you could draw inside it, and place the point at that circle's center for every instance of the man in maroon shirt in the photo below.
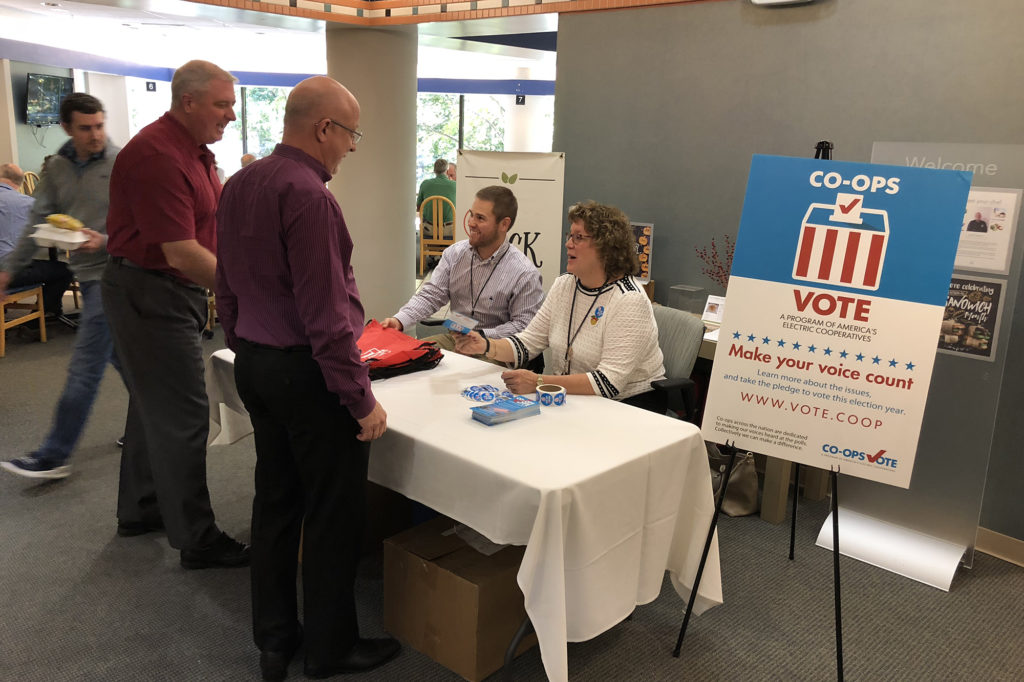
(290, 309)
(162, 239)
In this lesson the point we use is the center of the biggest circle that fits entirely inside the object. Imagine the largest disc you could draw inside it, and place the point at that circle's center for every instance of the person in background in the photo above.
(162, 237)
(290, 310)
(451, 172)
(14, 207)
(22, 270)
(597, 320)
(483, 277)
(439, 185)
(75, 181)
(247, 159)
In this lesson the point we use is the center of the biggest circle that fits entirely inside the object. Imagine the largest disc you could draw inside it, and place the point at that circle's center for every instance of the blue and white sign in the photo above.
(837, 292)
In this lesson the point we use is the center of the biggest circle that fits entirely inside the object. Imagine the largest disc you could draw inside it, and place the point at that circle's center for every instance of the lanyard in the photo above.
(474, 301)
(570, 339)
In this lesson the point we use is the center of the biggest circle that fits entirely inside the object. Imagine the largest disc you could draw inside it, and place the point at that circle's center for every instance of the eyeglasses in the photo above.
(356, 135)
(577, 237)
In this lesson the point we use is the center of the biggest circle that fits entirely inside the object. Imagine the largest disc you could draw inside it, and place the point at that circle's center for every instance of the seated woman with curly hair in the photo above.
(596, 320)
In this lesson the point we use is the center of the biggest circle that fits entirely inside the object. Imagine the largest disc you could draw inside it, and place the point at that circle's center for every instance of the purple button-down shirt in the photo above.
(284, 273)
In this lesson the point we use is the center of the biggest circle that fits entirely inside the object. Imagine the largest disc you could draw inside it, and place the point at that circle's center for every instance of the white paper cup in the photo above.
(550, 395)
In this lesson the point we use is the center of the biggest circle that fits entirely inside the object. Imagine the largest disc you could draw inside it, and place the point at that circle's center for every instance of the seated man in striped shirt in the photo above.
(483, 277)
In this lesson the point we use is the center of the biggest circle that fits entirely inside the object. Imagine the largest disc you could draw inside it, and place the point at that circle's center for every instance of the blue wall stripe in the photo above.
(485, 87)
(69, 59)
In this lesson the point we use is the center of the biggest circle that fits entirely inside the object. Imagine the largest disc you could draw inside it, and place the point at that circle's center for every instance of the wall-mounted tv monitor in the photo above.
(44, 96)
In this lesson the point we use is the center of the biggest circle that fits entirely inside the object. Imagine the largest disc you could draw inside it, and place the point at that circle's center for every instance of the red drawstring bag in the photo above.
(390, 353)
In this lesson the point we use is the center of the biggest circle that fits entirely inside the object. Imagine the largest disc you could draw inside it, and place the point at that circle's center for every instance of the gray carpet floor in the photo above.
(79, 603)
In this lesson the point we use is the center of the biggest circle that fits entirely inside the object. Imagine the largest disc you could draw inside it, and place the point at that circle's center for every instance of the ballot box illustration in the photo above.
(842, 243)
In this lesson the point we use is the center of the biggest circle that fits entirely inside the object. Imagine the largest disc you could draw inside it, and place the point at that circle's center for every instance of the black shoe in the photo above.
(129, 529)
(224, 552)
(366, 654)
(274, 664)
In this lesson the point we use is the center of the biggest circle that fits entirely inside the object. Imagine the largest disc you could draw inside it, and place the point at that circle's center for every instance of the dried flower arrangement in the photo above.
(718, 266)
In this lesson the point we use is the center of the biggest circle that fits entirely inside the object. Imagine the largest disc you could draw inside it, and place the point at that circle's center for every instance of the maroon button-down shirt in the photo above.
(163, 188)
(284, 272)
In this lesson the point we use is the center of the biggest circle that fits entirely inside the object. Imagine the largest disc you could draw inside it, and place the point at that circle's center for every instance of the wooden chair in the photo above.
(211, 314)
(439, 240)
(15, 299)
(28, 185)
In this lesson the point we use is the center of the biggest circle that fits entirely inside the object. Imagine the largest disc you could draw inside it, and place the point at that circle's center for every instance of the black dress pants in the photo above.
(54, 275)
(156, 324)
(310, 481)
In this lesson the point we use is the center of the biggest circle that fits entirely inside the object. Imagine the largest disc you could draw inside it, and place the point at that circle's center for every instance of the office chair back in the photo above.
(679, 337)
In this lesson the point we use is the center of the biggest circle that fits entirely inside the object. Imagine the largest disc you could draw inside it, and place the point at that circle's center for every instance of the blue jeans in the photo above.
(93, 349)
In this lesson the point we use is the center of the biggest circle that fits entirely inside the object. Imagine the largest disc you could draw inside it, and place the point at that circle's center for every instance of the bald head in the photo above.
(11, 175)
(317, 98)
(321, 118)
(247, 159)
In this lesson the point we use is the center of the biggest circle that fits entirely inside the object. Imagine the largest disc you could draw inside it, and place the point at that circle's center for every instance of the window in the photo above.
(438, 128)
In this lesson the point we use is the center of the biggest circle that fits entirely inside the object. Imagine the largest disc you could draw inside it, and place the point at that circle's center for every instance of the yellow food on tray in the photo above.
(64, 222)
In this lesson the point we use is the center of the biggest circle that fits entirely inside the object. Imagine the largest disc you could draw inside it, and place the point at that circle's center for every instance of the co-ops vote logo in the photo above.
(844, 243)
(877, 459)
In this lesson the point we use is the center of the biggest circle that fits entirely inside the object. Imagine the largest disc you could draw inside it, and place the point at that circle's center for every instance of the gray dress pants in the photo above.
(157, 322)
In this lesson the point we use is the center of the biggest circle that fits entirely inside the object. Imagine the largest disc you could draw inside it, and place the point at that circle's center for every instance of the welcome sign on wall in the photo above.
(838, 288)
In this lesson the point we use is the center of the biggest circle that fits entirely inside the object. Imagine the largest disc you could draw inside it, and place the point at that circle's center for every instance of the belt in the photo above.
(125, 263)
(280, 349)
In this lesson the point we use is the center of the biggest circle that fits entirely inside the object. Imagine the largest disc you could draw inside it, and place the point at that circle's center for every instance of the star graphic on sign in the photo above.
(910, 365)
(735, 335)
(875, 360)
(782, 344)
(766, 340)
(893, 363)
(843, 354)
(796, 345)
(811, 348)
(751, 338)
(827, 351)
(860, 357)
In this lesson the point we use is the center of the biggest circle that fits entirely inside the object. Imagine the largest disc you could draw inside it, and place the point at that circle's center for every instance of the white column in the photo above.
(376, 185)
(112, 92)
(525, 128)
(8, 137)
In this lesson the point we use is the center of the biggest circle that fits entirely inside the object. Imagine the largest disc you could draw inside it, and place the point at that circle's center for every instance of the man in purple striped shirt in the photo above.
(290, 309)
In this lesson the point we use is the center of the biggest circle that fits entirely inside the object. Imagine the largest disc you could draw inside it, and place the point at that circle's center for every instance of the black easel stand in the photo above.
(834, 474)
(823, 150)
(731, 450)
(796, 497)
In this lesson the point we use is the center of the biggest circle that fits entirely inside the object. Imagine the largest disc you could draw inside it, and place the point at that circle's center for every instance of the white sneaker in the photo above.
(31, 466)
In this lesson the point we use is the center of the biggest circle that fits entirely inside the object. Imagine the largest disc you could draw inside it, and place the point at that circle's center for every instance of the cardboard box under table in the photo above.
(450, 601)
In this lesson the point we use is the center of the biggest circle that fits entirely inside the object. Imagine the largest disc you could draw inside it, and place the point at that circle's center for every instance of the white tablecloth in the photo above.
(606, 497)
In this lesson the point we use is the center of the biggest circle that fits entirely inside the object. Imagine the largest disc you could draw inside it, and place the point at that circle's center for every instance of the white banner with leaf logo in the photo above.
(537, 180)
